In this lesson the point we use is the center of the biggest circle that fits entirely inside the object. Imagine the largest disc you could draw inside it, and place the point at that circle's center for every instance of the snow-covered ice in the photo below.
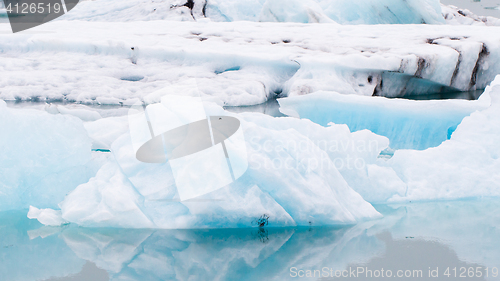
(242, 63)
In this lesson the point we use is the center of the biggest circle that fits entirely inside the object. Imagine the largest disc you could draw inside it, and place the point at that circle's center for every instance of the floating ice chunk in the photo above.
(43, 157)
(408, 124)
(306, 188)
(350, 153)
(46, 216)
(301, 176)
(465, 166)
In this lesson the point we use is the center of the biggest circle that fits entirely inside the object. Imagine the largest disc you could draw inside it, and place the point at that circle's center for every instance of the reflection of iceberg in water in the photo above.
(23, 259)
(238, 254)
(415, 236)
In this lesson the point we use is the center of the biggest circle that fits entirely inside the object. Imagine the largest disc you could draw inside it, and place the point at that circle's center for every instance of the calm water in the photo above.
(415, 237)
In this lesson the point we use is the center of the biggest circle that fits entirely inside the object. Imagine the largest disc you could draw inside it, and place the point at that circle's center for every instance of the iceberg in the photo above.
(302, 173)
(383, 11)
(445, 157)
(243, 63)
(465, 166)
(43, 157)
(340, 11)
(307, 11)
(408, 124)
(282, 187)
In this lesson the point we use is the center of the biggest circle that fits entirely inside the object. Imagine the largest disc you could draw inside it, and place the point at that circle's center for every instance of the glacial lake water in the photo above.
(414, 240)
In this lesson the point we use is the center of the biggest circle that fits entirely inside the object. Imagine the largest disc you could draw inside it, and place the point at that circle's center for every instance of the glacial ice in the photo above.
(383, 11)
(306, 11)
(47, 217)
(43, 157)
(465, 166)
(462, 162)
(243, 63)
(294, 178)
(300, 173)
(408, 124)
